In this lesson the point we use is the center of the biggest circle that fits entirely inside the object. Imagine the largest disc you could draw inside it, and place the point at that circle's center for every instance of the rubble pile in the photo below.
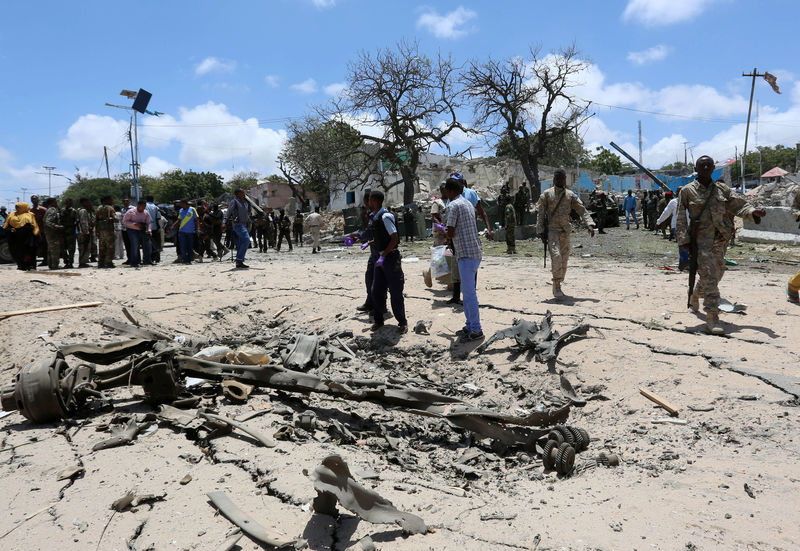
(777, 194)
(334, 388)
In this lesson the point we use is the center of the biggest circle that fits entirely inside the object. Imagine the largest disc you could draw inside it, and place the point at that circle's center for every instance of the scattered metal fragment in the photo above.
(231, 541)
(498, 516)
(541, 338)
(132, 499)
(236, 391)
(334, 483)
(122, 436)
(669, 421)
(185, 480)
(245, 522)
(749, 491)
(257, 434)
(608, 459)
(305, 351)
(421, 327)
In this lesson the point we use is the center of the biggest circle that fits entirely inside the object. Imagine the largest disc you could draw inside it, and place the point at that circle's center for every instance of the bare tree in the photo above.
(529, 101)
(321, 157)
(410, 100)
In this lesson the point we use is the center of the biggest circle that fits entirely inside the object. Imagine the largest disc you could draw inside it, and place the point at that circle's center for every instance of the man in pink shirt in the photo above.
(137, 224)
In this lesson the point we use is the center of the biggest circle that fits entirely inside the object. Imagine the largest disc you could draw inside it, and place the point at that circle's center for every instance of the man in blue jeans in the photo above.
(137, 223)
(463, 233)
(629, 206)
(187, 227)
(239, 216)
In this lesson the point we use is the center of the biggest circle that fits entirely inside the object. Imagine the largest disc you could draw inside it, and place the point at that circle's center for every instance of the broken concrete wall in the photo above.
(778, 226)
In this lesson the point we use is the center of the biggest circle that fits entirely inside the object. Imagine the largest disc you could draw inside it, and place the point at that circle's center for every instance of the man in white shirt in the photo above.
(671, 210)
(314, 224)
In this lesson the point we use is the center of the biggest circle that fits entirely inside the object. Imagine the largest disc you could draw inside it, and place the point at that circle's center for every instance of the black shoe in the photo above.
(454, 300)
(365, 308)
(462, 332)
(376, 326)
(601, 231)
(242, 265)
(474, 335)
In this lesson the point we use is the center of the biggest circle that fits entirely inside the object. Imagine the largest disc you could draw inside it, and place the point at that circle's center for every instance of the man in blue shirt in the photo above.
(239, 216)
(187, 227)
(388, 269)
(155, 228)
(629, 206)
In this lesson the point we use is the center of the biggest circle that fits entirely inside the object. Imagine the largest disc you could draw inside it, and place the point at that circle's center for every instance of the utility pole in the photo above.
(640, 142)
(105, 156)
(685, 156)
(49, 173)
(24, 194)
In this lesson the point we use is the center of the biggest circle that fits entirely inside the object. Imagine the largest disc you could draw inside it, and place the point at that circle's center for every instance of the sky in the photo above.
(229, 75)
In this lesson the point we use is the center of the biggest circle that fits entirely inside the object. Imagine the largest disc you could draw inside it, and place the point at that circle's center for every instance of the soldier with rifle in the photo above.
(711, 207)
(552, 225)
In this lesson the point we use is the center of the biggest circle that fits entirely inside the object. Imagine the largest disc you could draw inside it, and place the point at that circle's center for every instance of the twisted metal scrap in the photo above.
(541, 338)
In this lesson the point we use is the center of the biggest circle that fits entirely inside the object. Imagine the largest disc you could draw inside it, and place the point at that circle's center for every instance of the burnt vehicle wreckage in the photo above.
(54, 389)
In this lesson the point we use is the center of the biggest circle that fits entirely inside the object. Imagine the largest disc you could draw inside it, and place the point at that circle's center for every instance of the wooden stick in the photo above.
(672, 410)
(4, 315)
(54, 272)
(281, 311)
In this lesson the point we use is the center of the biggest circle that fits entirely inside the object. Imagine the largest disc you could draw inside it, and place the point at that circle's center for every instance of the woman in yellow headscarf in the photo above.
(23, 230)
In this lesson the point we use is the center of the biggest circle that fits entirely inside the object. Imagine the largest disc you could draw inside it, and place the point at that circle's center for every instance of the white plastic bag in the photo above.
(439, 267)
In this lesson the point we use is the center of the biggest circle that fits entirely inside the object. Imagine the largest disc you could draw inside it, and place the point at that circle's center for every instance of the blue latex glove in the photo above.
(348, 241)
(379, 262)
(365, 245)
(441, 227)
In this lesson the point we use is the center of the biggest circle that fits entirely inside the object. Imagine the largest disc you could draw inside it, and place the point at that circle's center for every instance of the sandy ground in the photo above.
(679, 486)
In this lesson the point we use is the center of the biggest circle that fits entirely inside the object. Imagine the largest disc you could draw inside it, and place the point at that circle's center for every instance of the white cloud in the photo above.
(272, 80)
(209, 134)
(449, 25)
(335, 89)
(656, 53)
(87, 136)
(214, 65)
(308, 86)
(664, 12)
(322, 4)
(153, 166)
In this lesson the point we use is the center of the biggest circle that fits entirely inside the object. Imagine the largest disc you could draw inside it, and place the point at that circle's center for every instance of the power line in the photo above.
(220, 124)
(690, 117)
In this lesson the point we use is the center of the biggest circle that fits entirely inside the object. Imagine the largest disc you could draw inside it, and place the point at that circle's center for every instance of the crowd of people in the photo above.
(137, 233)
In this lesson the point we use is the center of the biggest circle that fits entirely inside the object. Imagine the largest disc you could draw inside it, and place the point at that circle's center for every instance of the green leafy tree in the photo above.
(176, 184)
(605, 161)
(562, 150)
(242, 180)
(95, 188)
(766, 157)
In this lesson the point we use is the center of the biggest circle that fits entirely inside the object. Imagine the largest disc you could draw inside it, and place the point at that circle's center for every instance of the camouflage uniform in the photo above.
(504, 199)
(714, 228)
(511, 226)
(554, 205)
(86, 222)
(521, 200)
(105, 236)
(53, 231)
(69, 220)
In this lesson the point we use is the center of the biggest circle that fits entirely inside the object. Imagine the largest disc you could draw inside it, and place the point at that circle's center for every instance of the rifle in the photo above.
(693, 223)
(544, 241)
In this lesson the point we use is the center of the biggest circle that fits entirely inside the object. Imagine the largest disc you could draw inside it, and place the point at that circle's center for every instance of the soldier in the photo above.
(54, 233)
(105, 217)
(260, 224)
(69, 219)
(86, 223)
(504, 199)
(41, 243)
(712, 206)
(297, 229)
(658, 204)
(511, 227)
(793, 288)
(646, 211)
(598, 202)
(555, 205)
(284, 227)
(521, 200)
